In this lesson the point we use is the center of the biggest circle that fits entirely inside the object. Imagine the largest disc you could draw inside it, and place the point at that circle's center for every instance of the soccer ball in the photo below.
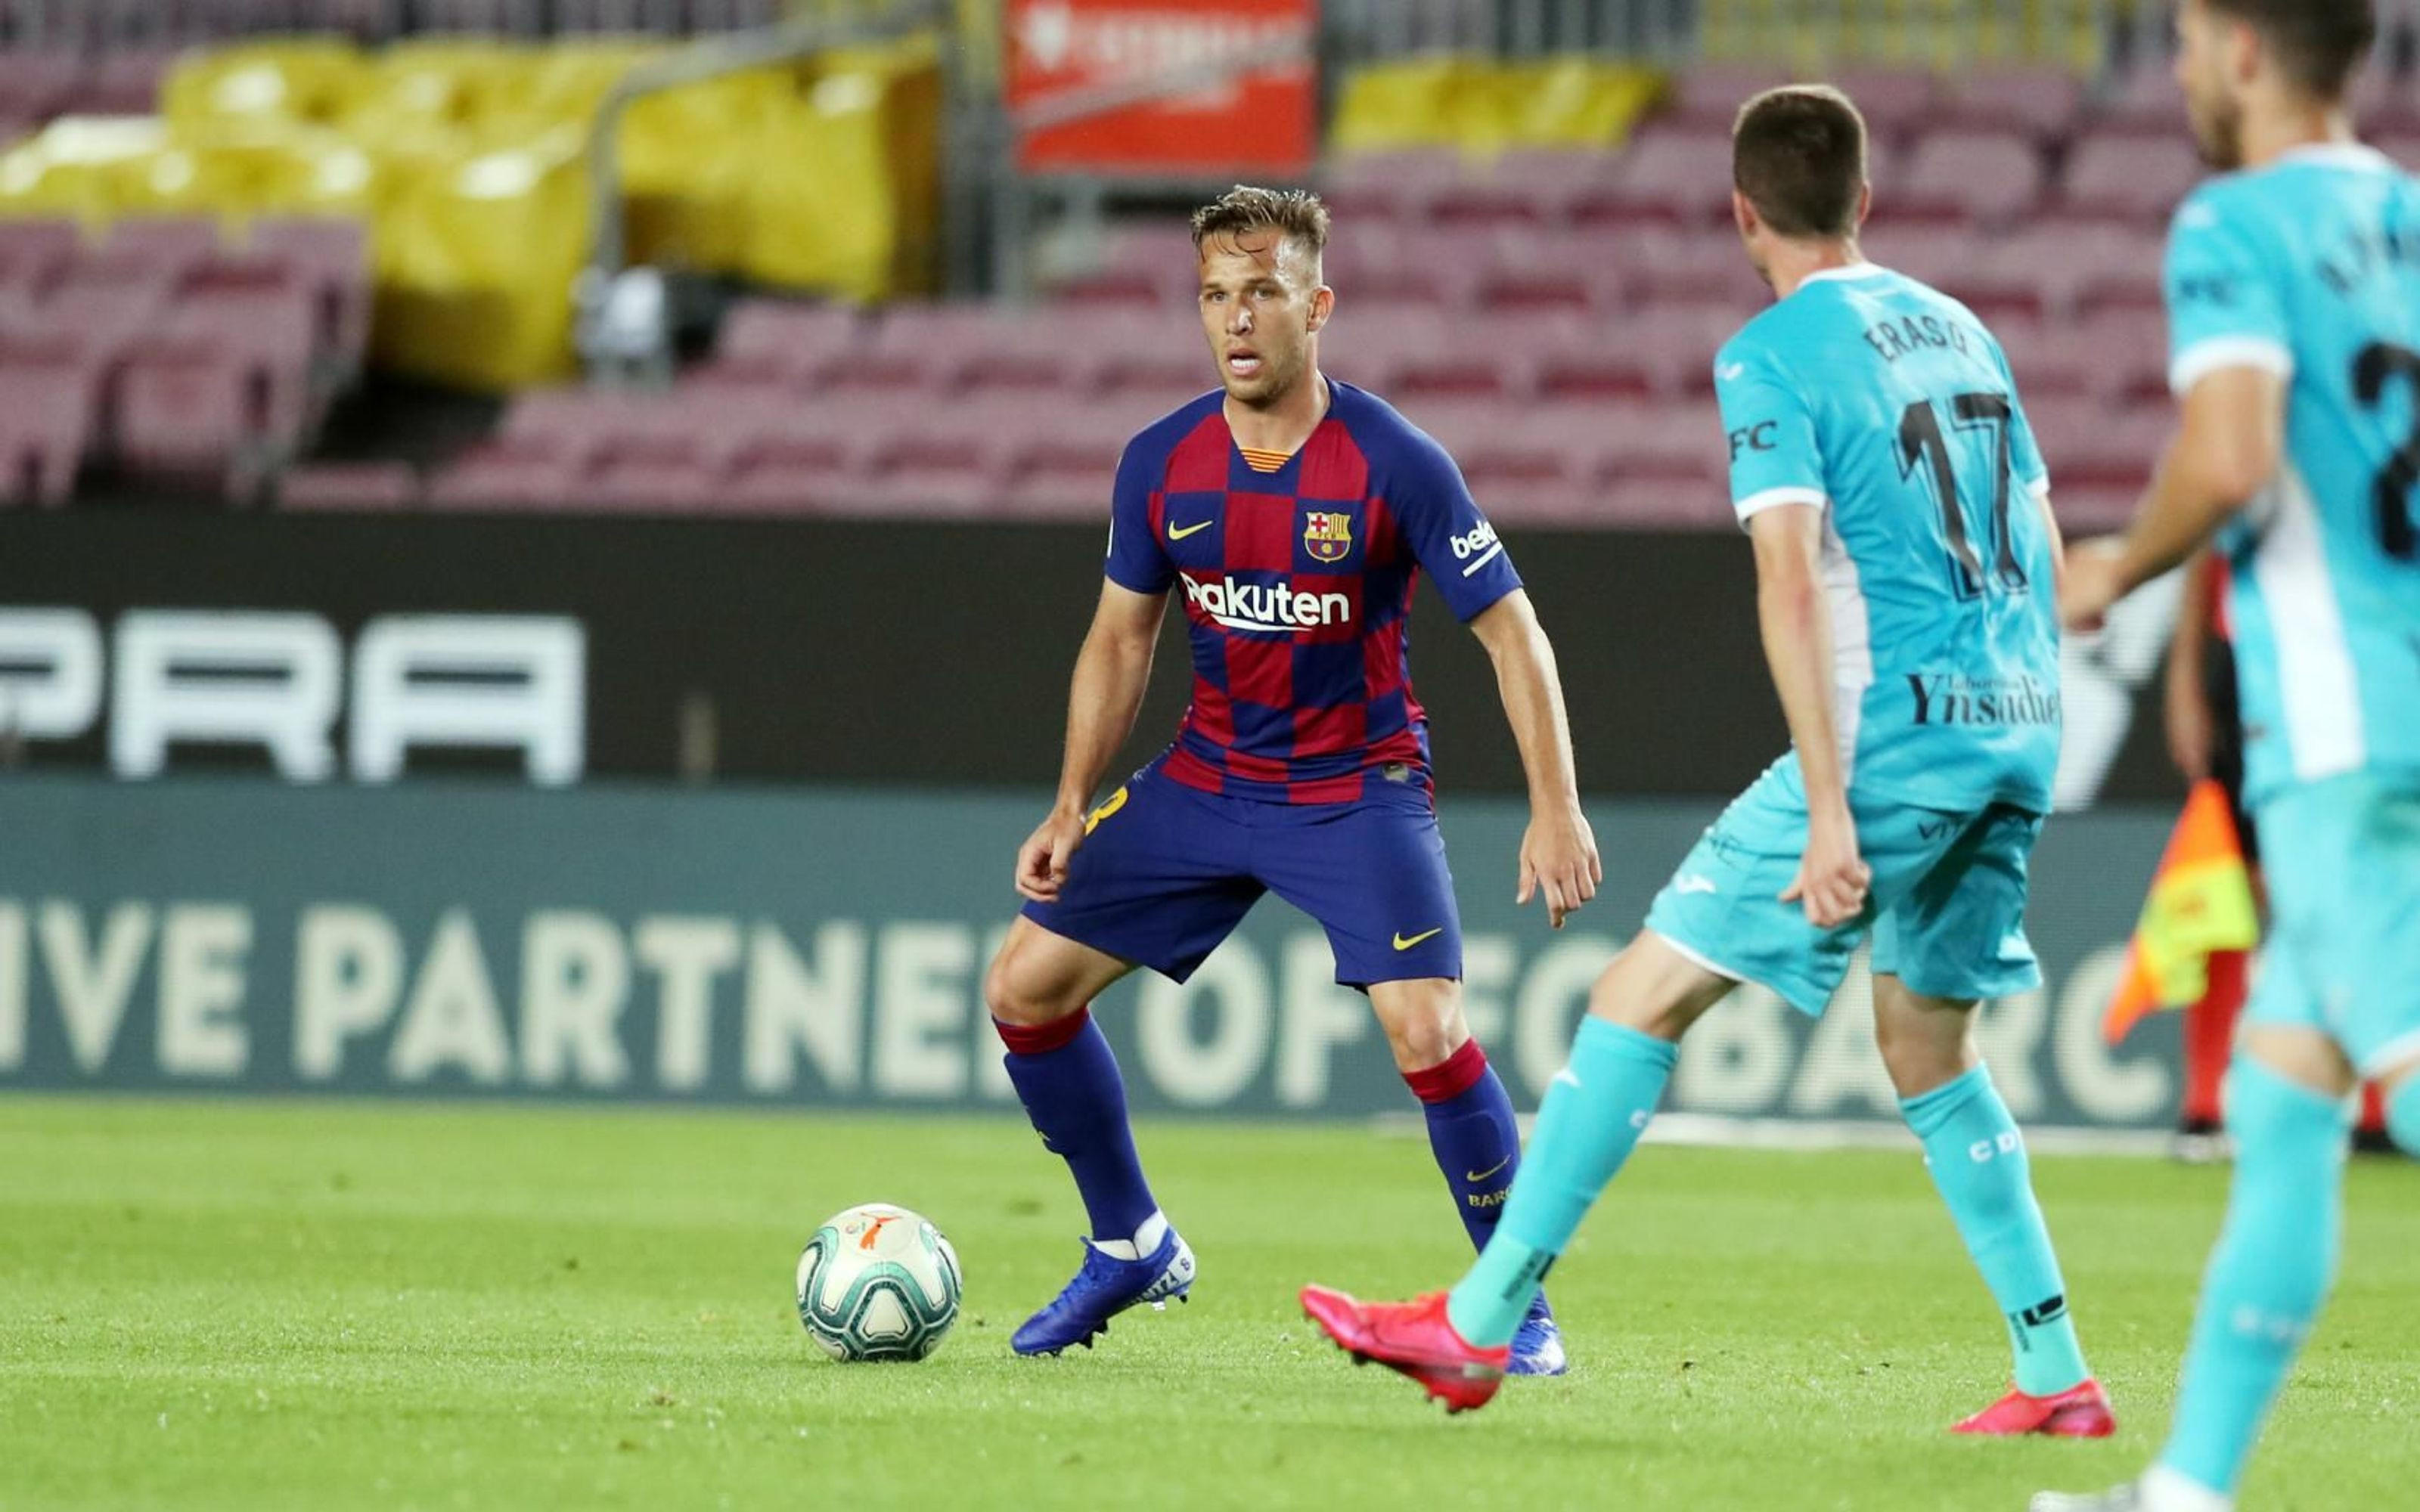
(879, 1283)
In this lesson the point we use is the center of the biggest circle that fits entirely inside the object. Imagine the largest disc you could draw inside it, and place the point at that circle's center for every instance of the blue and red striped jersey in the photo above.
(1298, 586)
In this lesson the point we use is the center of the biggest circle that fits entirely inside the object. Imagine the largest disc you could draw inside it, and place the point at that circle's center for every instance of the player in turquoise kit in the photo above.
(2294, 286)
(1907, 564)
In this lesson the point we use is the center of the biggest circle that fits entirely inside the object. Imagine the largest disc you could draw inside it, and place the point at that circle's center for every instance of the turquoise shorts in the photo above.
(2342, 859)
(1946, 909)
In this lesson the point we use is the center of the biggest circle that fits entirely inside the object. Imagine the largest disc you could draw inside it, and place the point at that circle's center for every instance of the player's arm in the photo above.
(2226, 450)
(1111, 672)
(2186, 691)
(1559, 853)
(1779, 488)
(1796, 622)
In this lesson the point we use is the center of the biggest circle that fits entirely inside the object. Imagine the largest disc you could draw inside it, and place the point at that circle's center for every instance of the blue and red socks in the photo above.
(1977, 1160)
(1593, 1116)
(1472, 1134)
(1067, 1077)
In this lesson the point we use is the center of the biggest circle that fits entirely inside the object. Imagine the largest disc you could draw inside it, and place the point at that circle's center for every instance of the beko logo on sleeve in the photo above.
(279, 681)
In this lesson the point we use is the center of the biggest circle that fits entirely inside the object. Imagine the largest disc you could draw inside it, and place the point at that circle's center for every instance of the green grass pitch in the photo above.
(259, 1306)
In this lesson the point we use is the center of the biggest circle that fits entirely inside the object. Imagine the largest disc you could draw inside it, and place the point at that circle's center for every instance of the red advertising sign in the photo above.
(1170, 86)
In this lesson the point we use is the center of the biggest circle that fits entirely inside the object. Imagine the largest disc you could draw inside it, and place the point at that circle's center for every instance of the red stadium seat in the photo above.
(2145, 104)
(1708, 97)
(790, 336)
(46, 419)
(2133, 178)
(1896, 102)
(348, 488)
(655, 474)
(48, 243)
(1388, 186)
(176, 245)
(330, 256)
(2045, 103)
(105, 299)
(1673, 177)
(1986, 176)
(262, 320)
(506, 475)
(1705, 271)
(2093, 511)
(35, 84)
(124, 82)
(185, 411)
(1535, 187)
(1934, 253)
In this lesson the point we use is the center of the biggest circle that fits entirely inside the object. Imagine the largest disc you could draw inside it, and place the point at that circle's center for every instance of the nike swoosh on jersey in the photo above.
(1403, 944)
(1482, 1175)
(1175, 533)
(1696, 884)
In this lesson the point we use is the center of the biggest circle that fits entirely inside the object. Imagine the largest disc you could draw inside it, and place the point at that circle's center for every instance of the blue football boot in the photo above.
(1537, 1343)
(1104, 1288)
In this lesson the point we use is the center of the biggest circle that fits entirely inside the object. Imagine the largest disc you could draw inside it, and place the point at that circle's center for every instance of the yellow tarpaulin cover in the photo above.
(467, 159)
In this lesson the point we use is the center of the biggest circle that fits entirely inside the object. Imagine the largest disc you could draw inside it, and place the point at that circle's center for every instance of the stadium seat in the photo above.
(669, 474)
(172, 245)
(505, 473)
(1671, 176)
(261, 319)
(46, 421)
(2128, 178)
(186, 410)
(1989, 178)
(1709, 280)
(2146, 102)
(330, 256)
(35, 85)
(2044, 104)
(1708, 97)
(1896, 102)
(1388, 186)
(1933, 252)
(348, 488)
(123, 82)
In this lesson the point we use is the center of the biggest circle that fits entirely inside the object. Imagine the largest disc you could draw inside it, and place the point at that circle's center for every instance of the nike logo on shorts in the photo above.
(1403, 944)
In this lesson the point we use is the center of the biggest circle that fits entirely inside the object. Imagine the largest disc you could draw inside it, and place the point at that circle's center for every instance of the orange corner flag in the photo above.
(2200, 902)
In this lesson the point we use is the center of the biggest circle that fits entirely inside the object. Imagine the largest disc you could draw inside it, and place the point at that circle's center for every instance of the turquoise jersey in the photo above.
(2310, 268)
(1889, 406)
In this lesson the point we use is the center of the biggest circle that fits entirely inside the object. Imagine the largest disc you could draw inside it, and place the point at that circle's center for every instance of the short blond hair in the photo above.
(1297, 215)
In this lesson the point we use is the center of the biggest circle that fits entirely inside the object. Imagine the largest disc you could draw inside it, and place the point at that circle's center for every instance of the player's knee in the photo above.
(1643, 990)
(1013, 994)
(1423, 1031)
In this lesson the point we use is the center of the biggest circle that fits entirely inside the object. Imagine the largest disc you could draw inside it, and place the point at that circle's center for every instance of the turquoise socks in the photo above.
(2269, 1276)
(1588, 1125)
(1977, 1160)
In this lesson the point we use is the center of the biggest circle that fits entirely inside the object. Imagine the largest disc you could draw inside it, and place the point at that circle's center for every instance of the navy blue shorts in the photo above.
(1167, 871)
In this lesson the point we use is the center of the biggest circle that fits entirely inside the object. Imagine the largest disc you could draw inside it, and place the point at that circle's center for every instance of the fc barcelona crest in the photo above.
(1327, 537)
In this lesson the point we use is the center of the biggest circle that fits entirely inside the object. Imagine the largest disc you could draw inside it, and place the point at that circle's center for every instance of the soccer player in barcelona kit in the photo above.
(1906, 558)
(1294, 515)
(2293, 290)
